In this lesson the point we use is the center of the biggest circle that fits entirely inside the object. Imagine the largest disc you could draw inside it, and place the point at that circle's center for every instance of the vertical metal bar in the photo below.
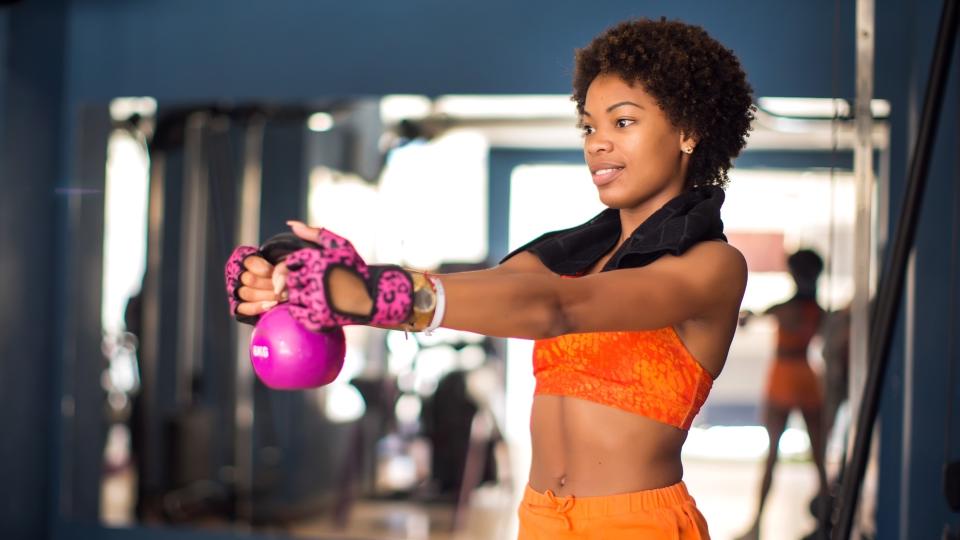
(247, 232)
(906, 457)
(150, 333)
(863, 252)
(193, 243)
(863, 177)
(892, 280)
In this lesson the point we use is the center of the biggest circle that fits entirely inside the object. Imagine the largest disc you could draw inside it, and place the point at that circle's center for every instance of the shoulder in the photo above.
(711, 275)
(716, 263)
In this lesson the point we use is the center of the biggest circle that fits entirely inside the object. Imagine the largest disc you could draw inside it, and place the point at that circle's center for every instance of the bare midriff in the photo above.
(587, 449)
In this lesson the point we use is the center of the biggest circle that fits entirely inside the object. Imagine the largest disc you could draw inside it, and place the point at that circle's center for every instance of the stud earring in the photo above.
(687, 149)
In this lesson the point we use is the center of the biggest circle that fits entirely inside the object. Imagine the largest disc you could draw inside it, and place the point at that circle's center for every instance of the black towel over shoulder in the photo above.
(691, 217)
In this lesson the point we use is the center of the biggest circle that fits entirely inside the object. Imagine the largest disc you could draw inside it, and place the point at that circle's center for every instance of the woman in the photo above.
(633, 312)
(792, 383)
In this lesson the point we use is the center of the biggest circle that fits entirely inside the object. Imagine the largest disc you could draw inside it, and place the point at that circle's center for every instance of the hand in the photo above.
(330, 285)
(249, 289)
(258, 292)
(348, 292)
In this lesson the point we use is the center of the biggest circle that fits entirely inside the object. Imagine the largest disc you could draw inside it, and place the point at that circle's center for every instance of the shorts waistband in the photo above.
(608, 505)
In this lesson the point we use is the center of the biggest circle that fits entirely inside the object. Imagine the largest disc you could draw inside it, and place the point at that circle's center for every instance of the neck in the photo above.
(805, 292)
(631, 218)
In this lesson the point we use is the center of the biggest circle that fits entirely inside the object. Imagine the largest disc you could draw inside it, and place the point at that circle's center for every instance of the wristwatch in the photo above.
(424, 301)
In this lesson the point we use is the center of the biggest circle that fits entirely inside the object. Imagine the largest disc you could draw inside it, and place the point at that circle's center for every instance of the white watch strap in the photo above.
(441, 306)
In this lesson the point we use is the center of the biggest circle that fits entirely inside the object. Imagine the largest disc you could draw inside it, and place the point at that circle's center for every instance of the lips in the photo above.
(604, 174)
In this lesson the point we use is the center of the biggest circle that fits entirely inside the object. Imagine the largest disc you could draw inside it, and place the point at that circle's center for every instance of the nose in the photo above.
(598, 143)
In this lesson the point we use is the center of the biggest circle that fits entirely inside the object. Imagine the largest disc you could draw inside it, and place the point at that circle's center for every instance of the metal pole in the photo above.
(247, 232)
(193, 242)
(863, 174)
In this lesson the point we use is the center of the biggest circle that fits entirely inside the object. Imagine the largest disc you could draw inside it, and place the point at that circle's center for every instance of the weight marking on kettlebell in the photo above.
(261, 351)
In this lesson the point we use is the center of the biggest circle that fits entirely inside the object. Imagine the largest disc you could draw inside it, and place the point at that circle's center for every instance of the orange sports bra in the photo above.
(649, 372)
(795, 332)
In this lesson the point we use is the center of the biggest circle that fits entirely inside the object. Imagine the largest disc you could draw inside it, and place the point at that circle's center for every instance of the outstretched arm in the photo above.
(707, 279)
(523, 299)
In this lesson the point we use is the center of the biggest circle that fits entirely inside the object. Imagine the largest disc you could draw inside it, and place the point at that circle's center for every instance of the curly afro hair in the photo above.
(697, 82)
(805, 264)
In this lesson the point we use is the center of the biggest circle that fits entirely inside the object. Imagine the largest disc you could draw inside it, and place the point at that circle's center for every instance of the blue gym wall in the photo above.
(913, 423)
(59, 54)
(292, 49)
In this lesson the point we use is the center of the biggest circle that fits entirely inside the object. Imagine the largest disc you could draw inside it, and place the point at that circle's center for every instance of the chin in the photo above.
(612, 198)
(612, 201)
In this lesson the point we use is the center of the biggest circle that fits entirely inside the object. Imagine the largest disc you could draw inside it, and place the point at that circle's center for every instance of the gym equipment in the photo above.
(287, 356)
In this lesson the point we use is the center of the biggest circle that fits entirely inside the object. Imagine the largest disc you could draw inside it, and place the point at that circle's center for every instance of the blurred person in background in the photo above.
(792, 383)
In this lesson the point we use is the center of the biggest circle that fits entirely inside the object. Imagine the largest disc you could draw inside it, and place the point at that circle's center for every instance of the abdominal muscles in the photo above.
(586, 449)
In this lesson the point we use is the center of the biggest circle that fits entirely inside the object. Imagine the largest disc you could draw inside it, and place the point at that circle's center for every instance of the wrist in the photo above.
(428, 303)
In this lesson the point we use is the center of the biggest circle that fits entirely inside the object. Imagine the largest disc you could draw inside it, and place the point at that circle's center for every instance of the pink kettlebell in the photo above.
(287, 356)
(284, 354)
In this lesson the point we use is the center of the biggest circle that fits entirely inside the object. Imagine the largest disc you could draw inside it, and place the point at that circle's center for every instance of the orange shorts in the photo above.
(793, 384)
(668, 512)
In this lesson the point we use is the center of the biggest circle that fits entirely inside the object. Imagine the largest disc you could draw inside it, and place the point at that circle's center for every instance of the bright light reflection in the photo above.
(125, 227)
(433, 202)
(743, 443)
(320, 122)
(344, 403)
(397, 107)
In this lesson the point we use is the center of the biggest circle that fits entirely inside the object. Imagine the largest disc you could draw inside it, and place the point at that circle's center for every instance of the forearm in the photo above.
(519, 305)
(497, 302)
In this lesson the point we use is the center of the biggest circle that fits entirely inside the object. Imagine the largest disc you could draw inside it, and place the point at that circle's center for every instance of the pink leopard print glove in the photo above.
(231, 272)
(390, 287)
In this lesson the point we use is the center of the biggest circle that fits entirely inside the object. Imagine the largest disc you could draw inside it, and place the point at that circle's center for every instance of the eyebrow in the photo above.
(615, 105)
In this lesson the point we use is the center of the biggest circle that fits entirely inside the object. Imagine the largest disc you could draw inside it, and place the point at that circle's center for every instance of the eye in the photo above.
(624, 122)
(586, 129)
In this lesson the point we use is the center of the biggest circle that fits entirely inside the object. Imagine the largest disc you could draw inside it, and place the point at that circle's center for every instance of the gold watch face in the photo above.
(424, 299)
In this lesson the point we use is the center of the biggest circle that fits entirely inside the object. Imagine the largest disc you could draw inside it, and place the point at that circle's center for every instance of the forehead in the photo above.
(607, 89)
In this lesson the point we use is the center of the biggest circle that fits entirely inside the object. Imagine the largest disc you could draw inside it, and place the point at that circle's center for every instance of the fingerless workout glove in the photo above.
(390, 287)
(231, 272)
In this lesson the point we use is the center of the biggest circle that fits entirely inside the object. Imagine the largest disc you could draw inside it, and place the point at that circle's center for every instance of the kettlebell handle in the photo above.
(278, 246)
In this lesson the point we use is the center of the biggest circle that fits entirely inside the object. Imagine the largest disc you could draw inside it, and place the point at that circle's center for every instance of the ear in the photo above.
(688, 140)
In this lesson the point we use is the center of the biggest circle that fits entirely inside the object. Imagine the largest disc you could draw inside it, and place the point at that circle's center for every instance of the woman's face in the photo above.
(633, 151)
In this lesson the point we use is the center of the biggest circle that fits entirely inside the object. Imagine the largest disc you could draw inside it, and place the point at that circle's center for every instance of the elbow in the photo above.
(554, 319)
(545, 312)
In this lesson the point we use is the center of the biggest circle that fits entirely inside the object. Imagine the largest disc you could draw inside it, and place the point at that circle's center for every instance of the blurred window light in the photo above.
(743, 443)
(320, 121)
(403, 351)
(432, 365)
(472, 357)
(397, 107)
(549, 197)
(797, 107)
(345, 204)
(433, 202)
(125, 107)
(344, 403)
(507, 106)
(125, 226)
(408, 408)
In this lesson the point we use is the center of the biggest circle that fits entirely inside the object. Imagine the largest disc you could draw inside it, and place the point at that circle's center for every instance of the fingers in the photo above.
(258, 266)
(303, 231)
(254, 308)
(250, 294)
(256, 282)
(279, 279)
